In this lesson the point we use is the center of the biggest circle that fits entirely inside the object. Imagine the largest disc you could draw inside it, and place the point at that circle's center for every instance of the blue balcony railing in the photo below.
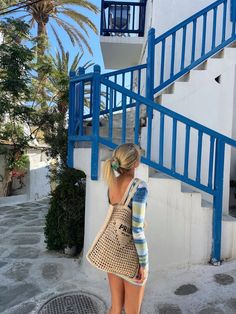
(122, 18)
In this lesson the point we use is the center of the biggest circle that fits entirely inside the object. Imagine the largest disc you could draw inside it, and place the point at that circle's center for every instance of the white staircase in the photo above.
(206, 94)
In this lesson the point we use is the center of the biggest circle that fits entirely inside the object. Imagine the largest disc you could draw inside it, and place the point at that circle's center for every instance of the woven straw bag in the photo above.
(113, 249)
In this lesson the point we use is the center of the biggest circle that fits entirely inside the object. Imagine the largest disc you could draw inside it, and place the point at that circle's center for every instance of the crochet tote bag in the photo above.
(113, 249)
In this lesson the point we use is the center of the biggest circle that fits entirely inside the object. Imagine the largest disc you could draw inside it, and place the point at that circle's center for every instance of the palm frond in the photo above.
(58, 39)
(82, 3)
(80, 19)
(76, 35)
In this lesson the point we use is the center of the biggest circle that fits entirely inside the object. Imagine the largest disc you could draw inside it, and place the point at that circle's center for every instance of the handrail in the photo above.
(187, 45)
(125, 70)
(188, 20)
(169, 112)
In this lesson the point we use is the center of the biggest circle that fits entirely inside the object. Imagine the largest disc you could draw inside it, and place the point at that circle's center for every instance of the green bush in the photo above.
(65, 218)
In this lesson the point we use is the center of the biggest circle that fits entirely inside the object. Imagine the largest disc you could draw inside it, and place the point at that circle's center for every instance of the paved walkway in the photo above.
(30, 275)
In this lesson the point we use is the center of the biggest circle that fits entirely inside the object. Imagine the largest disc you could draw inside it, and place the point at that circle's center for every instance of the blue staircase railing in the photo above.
(206, 33)
(217, 141)
(120, 90)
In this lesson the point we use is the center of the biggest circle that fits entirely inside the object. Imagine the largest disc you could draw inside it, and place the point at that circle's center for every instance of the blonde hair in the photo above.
(122, 160)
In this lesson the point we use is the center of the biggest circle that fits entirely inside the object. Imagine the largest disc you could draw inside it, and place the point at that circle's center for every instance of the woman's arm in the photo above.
(139, 203)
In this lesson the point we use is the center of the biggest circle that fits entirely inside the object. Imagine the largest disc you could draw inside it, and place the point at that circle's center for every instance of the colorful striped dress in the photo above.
(138, 204)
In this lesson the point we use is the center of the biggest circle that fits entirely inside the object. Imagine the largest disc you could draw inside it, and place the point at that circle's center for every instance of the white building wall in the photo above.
(39, 183)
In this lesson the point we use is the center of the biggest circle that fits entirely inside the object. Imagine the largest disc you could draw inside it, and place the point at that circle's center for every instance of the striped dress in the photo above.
(138, 204)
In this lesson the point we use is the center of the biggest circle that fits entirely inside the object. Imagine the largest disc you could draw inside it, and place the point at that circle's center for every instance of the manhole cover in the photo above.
(74, 303)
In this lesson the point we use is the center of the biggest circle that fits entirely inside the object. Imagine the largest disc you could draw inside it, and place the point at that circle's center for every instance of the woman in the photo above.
(118, 172)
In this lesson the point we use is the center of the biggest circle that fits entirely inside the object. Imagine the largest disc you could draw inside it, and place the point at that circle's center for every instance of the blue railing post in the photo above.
(218, 202)
(70, 143)
(102, 17)
(95, 122)
(150, 82)
(81, 102)
(233, 10)
(150, 64)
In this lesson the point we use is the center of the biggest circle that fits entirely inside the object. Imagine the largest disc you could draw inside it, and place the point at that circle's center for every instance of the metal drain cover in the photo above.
(74, 303)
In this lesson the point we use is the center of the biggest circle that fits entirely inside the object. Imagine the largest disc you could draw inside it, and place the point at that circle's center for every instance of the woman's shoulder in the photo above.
(142, 184)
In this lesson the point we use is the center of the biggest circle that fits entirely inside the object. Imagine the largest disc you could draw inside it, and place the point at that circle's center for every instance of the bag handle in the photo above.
(132, 192)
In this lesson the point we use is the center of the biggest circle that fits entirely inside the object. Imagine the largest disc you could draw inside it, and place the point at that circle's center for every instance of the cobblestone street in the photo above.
(30, 275)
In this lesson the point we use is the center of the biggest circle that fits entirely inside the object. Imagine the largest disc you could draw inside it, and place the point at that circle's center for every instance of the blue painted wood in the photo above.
(150, 85)
(111, 114)
(218, 201)
(149, 134)
(102, 17)
(214, 28)
(173, 152)
(95, 126)
(123, 138)
(163, 52)
(183, 48)
(139, 80)
(204, 34)
(194, 40)
(186, 153)
(232, 10)
(199, 157)
(150, 64)
(123, 79)
(137, 123)
(172, 65)
(81, 102)
(224, 21)
(233, 28)
(78, 138)
(115, 103)
(107, 98)
(211, 160)
(126, 70)
(161, 138)
(131, 80)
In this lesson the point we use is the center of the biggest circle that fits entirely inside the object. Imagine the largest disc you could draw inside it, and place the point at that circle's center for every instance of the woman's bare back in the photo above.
(117, 190)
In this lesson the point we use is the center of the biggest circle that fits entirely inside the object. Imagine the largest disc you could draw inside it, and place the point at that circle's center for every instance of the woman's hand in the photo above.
(142, 274)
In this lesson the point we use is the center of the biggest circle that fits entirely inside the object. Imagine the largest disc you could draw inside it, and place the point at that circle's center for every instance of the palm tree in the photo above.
(43, 13)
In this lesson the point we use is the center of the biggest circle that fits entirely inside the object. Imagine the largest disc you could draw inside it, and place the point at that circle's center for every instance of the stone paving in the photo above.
(30, 275)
